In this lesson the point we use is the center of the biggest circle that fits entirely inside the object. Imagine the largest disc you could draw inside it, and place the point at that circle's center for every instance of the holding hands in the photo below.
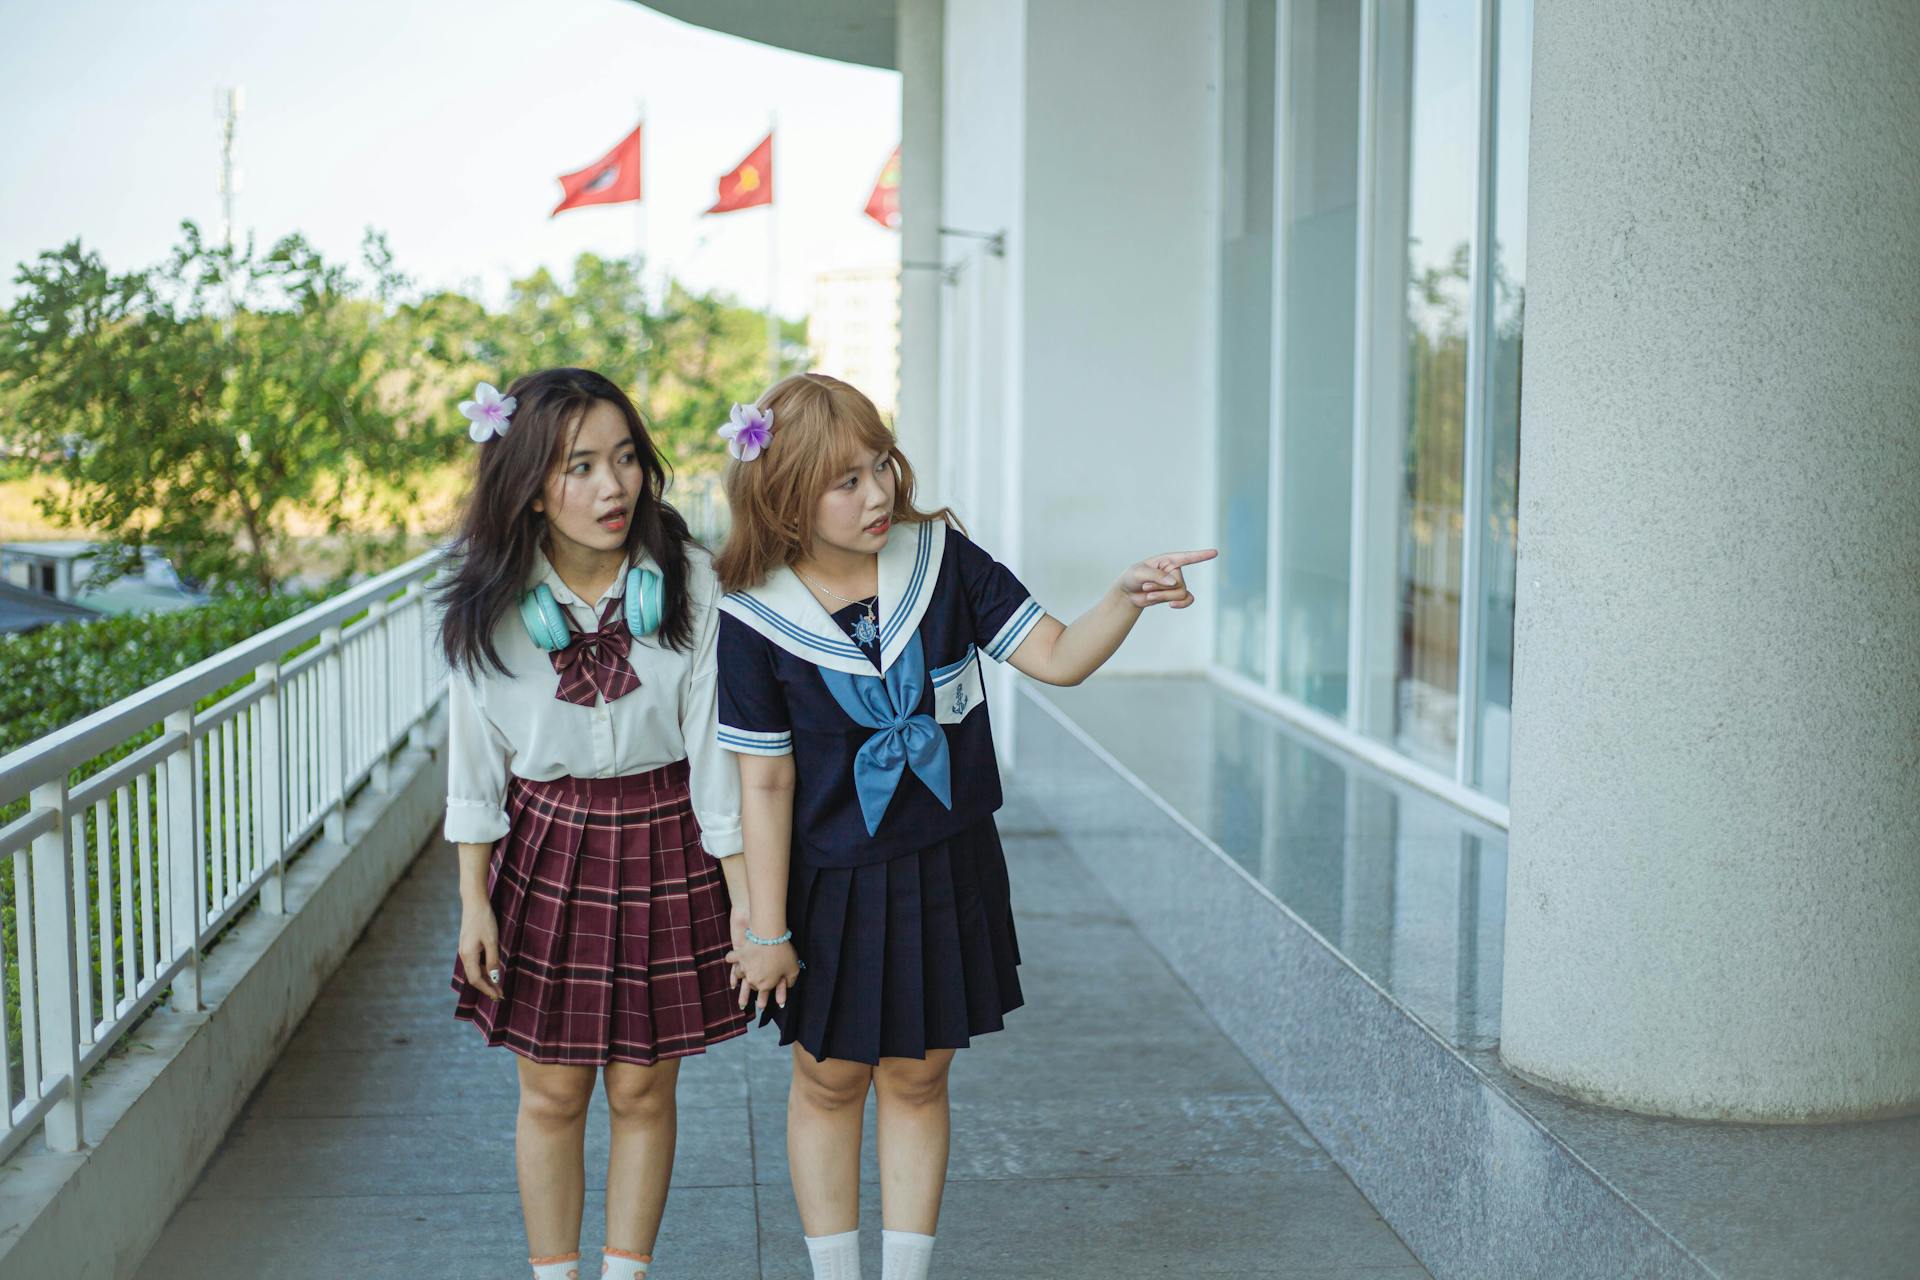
(1158, 580)
(759, 969)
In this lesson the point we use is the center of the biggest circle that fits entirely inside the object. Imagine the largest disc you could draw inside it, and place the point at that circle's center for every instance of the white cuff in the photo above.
(474, 822)
(721, 842)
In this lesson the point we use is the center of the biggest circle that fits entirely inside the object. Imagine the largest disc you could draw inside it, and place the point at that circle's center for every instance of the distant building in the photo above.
(854, 330)
(61, 572)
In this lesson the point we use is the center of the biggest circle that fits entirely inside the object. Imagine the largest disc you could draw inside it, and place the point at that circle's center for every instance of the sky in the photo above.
(443, 123)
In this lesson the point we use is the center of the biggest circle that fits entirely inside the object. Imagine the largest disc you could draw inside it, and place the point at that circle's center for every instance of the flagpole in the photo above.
(773, 267)
(640, 263)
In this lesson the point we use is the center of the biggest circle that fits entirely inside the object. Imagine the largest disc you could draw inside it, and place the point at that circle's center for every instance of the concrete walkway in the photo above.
(1111, 1130)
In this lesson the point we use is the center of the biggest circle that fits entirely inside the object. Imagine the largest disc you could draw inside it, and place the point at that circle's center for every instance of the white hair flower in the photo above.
(487, 413)
(748, 430)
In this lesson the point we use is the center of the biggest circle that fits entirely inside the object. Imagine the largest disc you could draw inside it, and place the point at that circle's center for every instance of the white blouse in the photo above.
(513, 723)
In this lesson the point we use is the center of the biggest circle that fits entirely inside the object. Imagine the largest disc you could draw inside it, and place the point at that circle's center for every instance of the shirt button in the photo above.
(600, 714)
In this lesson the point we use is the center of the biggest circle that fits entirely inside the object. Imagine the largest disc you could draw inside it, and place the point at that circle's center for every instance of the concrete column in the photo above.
(920, 44)
(1713, 904)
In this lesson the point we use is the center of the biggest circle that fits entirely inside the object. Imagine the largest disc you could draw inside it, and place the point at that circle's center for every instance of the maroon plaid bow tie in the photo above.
(595, 662)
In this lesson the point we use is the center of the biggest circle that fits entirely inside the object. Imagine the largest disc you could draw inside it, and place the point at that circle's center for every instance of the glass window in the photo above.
(1320, 202)
(1396, 303)
(1426, 156)
(1513, 62)
(1246, 336)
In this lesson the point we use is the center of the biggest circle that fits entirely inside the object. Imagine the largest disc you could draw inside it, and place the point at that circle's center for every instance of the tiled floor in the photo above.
(1111, 1130)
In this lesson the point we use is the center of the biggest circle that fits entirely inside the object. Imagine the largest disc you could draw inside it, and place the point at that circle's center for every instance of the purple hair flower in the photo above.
(748, 430)
(487, 413)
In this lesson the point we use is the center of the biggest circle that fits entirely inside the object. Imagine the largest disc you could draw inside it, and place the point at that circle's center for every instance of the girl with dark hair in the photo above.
(597, 818)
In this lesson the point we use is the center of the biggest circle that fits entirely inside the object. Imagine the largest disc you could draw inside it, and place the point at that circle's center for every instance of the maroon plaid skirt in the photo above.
(613, 925)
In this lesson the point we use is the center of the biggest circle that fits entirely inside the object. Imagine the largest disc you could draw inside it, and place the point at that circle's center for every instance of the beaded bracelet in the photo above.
(769, 942)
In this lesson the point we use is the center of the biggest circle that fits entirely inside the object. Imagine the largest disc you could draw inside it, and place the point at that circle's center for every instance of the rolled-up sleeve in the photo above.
(476, 768)
(715, 780)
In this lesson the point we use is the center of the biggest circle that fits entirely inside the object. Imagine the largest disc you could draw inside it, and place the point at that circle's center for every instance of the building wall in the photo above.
(1077, 408)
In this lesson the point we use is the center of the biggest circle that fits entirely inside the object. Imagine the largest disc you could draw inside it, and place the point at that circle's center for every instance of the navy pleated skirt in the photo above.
(903, 956)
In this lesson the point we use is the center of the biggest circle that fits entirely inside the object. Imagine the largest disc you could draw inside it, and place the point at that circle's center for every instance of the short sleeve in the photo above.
(1004, 611)
(476, 768)
(753, 707)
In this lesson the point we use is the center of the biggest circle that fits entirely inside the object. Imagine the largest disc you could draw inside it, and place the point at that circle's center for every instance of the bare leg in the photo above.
(640, 1101)
(825, 1106)
(549, 1153)
(914, 1124)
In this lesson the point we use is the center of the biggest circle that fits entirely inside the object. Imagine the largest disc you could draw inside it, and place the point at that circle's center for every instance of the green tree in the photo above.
(192, 407)
(684, 359)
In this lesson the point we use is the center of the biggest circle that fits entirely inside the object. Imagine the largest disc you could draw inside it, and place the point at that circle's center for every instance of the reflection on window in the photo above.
(1320, 195)
(1246, 335)
(1438, 58)
(1514, 61)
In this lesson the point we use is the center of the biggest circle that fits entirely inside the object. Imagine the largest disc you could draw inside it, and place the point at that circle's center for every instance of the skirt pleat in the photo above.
(828, 896)
(947, 1021)
(903, 994)
(613, 925)
(905, 956)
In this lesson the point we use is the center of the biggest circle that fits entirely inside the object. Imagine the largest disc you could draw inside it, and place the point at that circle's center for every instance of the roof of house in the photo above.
(53, 548)
(23, 610)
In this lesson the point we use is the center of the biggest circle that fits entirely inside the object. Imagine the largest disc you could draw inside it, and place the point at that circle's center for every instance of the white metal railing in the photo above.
(702, 499)
(133, 872)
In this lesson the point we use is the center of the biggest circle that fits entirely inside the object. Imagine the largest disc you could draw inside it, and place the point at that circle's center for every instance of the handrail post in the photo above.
(380, 629)
(183, 861)
(420, 637)
(269, 766)
(56, 998)
(333, 715)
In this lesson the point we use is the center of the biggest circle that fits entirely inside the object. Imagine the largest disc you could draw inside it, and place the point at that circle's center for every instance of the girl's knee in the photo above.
(636, 1093)
(914, 1081)
(555, 1094)
(830, 1084)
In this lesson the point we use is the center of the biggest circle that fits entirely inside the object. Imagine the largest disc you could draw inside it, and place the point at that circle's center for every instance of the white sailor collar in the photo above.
(784, 611)
(543, 571)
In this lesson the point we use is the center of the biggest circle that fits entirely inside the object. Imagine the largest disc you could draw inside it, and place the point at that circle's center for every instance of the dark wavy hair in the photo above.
(492, 553)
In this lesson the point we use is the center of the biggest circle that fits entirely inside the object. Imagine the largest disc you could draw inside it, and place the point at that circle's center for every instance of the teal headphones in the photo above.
(547, 625)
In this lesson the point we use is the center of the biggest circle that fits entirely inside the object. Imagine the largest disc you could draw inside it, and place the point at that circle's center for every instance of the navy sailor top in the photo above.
(888, 728)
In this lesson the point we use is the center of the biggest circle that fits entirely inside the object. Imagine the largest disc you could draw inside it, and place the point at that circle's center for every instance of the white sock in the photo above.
(618, 1264)
(904, 1255)
(561, 1266)
(835, 1257)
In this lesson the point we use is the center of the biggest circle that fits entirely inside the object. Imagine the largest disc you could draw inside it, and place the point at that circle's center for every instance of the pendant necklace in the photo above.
(867, 628)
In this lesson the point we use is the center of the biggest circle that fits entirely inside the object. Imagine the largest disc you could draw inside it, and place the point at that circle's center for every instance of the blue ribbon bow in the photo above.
(886, 703)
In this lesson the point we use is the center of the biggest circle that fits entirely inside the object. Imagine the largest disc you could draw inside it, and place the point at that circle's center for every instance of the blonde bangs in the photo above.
(821, 428)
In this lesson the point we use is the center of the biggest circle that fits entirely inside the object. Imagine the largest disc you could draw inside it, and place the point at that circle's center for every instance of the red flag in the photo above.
(612, 179)
(883, 206)
(750, 183)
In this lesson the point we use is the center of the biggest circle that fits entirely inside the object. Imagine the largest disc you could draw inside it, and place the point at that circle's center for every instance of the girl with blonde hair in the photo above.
(881, 934)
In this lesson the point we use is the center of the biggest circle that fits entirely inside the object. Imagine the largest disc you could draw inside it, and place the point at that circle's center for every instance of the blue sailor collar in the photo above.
(784, 611)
